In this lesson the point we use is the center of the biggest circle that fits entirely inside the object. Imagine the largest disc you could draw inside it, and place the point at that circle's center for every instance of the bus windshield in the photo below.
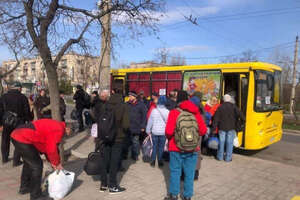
(268, 91)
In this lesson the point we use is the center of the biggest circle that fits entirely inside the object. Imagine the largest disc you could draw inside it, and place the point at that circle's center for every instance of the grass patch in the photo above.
(291, 126)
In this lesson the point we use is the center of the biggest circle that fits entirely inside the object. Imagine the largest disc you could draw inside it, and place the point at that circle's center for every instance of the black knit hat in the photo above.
(132, 93)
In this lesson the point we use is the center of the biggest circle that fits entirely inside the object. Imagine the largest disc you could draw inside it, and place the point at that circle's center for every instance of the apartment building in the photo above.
(78, 69)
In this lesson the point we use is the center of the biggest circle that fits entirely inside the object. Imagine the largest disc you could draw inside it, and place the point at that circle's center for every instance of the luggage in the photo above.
(213, 142)
(93, 164)
(60, 183)
(147, 148)
(88, 118)
(73, 114)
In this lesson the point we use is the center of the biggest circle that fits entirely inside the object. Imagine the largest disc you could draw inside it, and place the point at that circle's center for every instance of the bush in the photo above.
(66, 86)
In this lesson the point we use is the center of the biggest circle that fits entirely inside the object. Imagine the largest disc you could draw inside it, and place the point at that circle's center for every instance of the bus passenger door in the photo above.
(118, 83)
(244, 83)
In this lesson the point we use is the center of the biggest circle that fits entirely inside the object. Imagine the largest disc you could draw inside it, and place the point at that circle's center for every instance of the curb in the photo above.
(78, 155)
(291, 131)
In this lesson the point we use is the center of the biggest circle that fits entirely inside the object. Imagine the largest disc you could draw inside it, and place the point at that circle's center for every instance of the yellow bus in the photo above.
(255, 85)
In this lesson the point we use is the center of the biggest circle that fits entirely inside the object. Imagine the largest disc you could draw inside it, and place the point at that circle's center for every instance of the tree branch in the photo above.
(29, 22)
(115, 7)
(47, 20)
(71, 42)
(12, 18)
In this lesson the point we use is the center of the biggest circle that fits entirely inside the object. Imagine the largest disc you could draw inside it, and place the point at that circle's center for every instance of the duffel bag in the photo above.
(93, 164)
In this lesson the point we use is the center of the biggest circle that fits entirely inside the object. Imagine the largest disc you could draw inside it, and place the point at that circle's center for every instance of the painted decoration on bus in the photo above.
(206, 82)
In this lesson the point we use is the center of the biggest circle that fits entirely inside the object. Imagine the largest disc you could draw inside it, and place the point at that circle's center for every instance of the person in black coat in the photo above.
(80, 104)
(62, 105)
(225, 119)
(41, 102)
(138, 121)
(12, 102)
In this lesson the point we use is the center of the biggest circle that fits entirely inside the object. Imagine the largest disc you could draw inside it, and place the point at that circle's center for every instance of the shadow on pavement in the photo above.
(248, 152)
(75, 166)
(78, 143)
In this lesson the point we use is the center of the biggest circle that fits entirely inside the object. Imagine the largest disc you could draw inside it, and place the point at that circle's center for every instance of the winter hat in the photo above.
(195, 100)
(162, 100)
(198, 94)
(132, 93)
(181, 96)
(227, 98)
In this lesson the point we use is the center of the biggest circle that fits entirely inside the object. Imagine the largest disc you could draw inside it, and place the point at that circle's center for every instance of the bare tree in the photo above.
(162, 55)
(177, 59)
(49, 28)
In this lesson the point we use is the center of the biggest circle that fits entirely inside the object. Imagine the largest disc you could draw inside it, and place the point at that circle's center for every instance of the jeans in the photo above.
(225, 141)
(5, 145)
(135, 148)
(187, 163)
(111, 160)
(31, 176)
(158, 147)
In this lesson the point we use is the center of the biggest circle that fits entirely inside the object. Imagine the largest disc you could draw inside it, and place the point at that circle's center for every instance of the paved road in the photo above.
(286, 151)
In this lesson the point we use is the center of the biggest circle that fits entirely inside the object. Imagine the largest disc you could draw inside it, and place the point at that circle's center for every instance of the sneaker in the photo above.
(196, 175)
(115, 190)
(23, 191)
(152, 163)
(171, 197)
(103, 188)
(160, 163)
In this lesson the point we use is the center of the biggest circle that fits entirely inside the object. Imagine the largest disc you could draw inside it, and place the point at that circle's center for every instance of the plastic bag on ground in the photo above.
(60, 183)
(236, 142)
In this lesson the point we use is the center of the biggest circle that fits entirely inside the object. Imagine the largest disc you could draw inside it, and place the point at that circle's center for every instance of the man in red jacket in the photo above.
(180, 160)
(30, 140)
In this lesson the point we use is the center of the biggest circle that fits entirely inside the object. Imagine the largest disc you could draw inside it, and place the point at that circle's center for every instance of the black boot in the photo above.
(152, 163)
(196, 175)
(186, 198)
(171, 197)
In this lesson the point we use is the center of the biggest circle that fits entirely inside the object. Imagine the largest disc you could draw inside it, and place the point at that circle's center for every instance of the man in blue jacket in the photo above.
(137, 118)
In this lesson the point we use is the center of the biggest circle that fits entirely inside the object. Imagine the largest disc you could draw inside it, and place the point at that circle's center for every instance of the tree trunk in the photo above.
(54, 101)
(53, 91)
(104, 68)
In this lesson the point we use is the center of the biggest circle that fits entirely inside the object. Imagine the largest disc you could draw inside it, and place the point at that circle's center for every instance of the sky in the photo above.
(224, 27)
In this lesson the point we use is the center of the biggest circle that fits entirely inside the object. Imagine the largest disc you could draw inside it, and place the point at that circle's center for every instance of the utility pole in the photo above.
(104, 67)
(294, 77)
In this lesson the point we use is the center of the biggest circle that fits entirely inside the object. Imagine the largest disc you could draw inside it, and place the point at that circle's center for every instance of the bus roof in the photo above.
(244, 65)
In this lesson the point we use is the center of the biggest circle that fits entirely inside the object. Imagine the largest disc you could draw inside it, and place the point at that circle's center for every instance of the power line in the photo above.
(240, 16)
(283, 45)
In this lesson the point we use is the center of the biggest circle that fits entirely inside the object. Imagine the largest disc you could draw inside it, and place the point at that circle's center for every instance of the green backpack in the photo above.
(187, 131)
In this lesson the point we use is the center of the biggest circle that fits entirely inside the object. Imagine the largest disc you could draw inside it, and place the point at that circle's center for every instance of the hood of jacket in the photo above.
(189, 106)
(115, 99)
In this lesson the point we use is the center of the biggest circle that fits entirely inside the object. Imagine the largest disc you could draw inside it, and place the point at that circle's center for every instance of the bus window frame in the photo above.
(151, 79)
(255, 92)
(197, 70)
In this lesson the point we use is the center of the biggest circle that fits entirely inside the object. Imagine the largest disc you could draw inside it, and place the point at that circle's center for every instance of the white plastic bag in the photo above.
(60, 183)
(236, 142)
(94, 130)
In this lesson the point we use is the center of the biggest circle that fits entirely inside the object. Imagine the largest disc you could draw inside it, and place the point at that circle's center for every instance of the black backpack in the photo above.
(9, 118)
(107, 129)
(87, 100)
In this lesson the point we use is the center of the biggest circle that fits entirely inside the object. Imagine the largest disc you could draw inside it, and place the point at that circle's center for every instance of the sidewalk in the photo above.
(245, 178)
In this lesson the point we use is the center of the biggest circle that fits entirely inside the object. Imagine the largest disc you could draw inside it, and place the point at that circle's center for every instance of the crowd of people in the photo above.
(177, 124)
